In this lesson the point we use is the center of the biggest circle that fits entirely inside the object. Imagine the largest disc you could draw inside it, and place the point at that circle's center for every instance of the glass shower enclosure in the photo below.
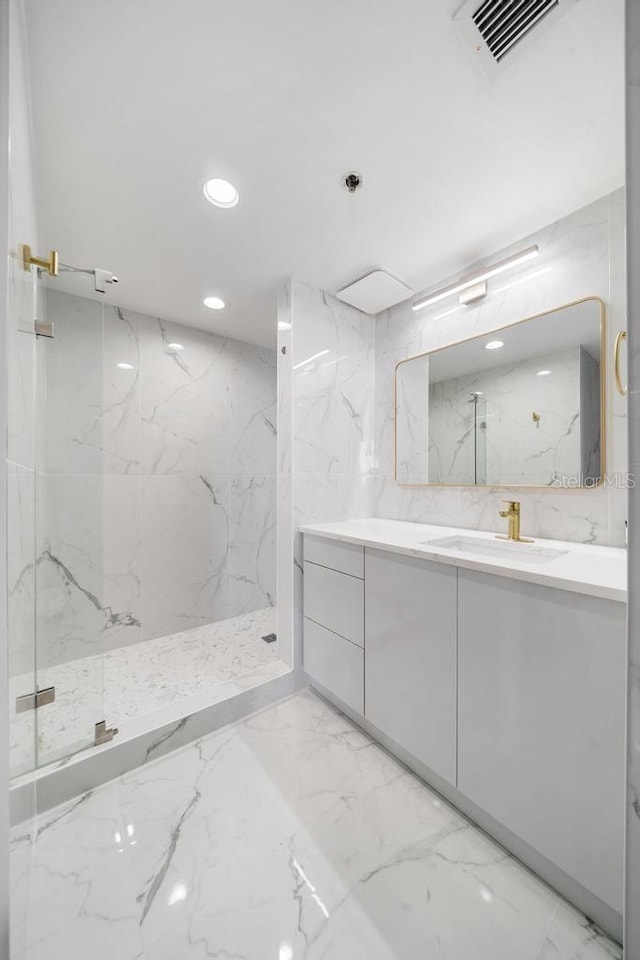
(57, 539)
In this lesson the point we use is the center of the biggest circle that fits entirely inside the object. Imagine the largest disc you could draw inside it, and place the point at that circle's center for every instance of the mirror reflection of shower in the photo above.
(479, 427)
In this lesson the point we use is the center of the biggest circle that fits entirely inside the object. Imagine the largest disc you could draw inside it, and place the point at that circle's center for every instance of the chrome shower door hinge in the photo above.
(103, 735)
(45, 328)
(33, 701)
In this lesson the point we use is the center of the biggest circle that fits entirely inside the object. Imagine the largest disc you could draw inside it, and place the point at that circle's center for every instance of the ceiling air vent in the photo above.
(495, 28)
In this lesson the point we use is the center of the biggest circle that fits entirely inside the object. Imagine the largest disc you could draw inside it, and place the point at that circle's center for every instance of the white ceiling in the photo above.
(137, 102)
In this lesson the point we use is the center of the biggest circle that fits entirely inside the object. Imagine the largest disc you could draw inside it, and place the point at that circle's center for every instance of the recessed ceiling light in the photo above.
(221, 193)
(125, 366)
(494, 345)
(284, 325)
(214, 303)
(175, 346)
(543, 373)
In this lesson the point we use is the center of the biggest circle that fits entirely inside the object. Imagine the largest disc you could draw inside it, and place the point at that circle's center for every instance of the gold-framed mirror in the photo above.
(521, 406)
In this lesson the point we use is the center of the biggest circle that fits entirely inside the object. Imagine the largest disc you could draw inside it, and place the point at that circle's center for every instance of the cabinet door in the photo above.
(410, 656)
(541, 721)
(334, 663)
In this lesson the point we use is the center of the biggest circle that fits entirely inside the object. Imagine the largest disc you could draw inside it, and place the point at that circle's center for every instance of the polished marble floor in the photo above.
(287, 836)
(183, 669)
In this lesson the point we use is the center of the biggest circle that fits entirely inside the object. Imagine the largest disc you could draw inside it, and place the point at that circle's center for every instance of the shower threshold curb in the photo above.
(140, 742)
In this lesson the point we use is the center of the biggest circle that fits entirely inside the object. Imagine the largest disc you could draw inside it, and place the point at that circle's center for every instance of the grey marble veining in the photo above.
(289, 835)
(325, 424)
(155, 498)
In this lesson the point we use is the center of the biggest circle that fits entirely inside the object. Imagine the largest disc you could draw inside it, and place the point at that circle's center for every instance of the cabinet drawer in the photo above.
(335, 601)
(345, 557)
(336, 664)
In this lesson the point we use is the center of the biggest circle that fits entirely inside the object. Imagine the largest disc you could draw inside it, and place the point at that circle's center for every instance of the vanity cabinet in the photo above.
(410, 660)
(334, 619)
(508, 694)
(541, 721)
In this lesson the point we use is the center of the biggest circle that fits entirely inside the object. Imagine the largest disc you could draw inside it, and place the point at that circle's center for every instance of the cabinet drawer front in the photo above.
(336, 664)
(335, 601)
(345, 557)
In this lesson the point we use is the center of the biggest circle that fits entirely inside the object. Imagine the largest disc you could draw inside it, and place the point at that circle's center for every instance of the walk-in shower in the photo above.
(143, 519)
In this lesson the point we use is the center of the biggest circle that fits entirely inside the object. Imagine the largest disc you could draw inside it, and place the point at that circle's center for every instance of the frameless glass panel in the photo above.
(21, 560)
(71, 615)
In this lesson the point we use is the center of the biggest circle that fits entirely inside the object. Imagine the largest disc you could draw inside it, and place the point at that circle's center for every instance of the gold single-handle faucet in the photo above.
(512, 513)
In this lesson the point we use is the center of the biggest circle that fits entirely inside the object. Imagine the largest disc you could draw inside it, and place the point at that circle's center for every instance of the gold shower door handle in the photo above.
(622, 336)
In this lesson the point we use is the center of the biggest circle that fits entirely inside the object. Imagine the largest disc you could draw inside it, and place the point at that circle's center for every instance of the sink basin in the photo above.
(498, 549)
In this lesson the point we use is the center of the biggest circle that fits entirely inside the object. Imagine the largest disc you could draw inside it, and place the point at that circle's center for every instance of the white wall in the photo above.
(582, 255)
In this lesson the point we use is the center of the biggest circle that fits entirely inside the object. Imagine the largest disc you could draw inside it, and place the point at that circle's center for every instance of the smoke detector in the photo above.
(496, 29)
(375, 291)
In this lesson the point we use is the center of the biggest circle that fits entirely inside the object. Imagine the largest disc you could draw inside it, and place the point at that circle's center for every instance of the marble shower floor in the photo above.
(165, 678)
(287, 836)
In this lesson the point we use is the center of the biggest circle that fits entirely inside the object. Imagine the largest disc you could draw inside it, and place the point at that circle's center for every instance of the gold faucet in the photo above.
(512, 513)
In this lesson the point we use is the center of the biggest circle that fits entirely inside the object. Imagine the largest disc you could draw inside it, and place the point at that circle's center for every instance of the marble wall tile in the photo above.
(70, 395)
(285, 570)
(121, 409)
(183, 401)
(333, 357)
(21, 569)
(580, 256)
(252, 410)
(121, 391)
(326, 455)
(252, 531)
(71, 612)
(121, 561)
(184, 552)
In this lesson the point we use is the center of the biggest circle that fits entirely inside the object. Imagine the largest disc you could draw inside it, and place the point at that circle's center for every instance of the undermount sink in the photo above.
(530, 552)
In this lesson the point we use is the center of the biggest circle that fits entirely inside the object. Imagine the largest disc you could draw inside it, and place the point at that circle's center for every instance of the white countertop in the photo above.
(596, 571)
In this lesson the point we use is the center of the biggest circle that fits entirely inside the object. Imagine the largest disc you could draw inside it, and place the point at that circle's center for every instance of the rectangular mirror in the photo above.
(520, 406)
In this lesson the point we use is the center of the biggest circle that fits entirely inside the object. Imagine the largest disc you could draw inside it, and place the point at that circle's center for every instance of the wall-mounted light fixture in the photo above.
(477, 280)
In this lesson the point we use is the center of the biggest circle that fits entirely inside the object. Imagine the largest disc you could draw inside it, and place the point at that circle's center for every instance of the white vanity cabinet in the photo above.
(503, 687)
(541, 721)
(334, 619)
(410, 656)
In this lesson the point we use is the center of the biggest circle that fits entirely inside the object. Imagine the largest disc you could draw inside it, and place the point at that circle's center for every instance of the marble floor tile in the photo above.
(288, 835)
(143, 679)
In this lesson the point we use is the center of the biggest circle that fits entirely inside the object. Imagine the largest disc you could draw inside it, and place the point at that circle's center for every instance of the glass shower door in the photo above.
(71, 615)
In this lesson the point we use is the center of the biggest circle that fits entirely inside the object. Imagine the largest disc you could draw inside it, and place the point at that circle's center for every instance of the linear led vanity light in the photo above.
(478, 277)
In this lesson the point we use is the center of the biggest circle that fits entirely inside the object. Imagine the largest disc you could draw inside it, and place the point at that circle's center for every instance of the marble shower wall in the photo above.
(325, 427)
(158, 479)
(581, 255)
